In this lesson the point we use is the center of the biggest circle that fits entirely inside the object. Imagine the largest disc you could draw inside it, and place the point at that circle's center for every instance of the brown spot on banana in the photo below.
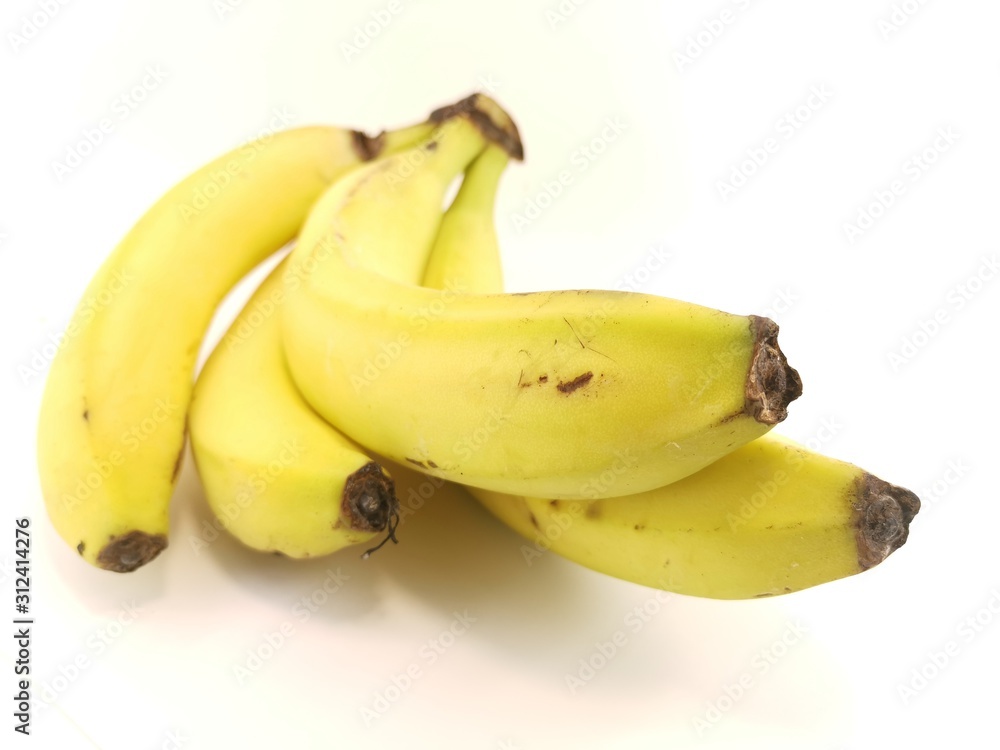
(126, 552)
(882, 516)
(772, 384)
(367, 147)
(568, 386)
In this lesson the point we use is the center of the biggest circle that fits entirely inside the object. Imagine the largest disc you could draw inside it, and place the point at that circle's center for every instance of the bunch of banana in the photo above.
(530, 401)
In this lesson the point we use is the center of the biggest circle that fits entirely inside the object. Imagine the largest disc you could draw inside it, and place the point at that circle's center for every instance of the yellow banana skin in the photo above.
(770, 518)
(246, 414)
(540, 393)
(112, 422)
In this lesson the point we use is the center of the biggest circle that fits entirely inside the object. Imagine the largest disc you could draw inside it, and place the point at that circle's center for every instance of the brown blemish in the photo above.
(771, 384)
(578, 382)
(554, 503)
(86, 415)
(369, 502)
(431, 464)
(543, 378)
(882, 516)
(367, 147)
(125, 553)
(765, 594)
(534, 521)
(593, 510)
(431, 145)
(640, 527)
(80, 548)
(415, 462)
(489, 117)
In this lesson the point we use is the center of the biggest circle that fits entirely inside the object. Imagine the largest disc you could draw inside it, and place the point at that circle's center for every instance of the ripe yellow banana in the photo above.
(111, 429)
(275, 474)
(543, 394)
(770, 518)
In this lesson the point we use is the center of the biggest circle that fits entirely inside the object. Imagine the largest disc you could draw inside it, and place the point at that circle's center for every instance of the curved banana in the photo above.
(111, 429)
(543, 393)
(275, 474)
(770, 518)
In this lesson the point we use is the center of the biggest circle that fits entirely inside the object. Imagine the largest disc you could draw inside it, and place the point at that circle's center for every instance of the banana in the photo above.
(466, 253)
(275, 474)
(112, 422)
(541, 394)
(772, 517)
(769, 518)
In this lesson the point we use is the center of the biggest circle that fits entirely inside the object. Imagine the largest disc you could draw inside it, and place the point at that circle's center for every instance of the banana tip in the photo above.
(772, 384)
(126, 552)
(492, 120)
(883, 513)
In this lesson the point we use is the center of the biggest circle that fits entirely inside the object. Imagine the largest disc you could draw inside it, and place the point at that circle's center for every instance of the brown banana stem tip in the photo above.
(491, 119)
(367, 147)
(369, 502)
(125, 553)
(882, 516)
(771, 383)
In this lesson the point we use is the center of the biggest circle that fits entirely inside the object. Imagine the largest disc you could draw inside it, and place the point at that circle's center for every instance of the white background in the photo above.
(776, 245)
